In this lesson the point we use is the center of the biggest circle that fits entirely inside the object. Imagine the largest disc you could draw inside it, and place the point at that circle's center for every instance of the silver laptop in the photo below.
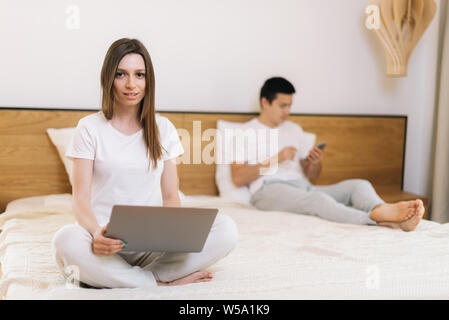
(161, 229)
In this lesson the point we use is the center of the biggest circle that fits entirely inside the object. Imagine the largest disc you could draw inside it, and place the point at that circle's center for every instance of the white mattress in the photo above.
(279, 256)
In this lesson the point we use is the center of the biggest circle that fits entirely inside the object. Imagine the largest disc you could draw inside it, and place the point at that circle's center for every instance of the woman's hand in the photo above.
(105, 246)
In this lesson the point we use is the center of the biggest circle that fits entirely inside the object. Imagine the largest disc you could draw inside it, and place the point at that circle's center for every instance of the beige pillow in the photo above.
(61, 138)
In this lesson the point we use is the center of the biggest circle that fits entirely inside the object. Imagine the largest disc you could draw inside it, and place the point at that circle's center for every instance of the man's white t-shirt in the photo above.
(122, 173)
(275, 139)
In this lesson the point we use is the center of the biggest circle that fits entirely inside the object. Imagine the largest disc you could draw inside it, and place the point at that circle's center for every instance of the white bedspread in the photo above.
(279, 256)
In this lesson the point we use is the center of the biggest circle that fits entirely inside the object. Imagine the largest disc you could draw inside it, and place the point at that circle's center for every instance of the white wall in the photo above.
(213, 55)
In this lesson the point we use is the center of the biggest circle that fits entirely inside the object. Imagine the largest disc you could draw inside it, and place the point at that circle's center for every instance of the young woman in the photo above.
(126, 154)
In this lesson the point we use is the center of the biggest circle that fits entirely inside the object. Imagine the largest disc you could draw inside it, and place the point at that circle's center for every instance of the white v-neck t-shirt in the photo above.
(122, 173)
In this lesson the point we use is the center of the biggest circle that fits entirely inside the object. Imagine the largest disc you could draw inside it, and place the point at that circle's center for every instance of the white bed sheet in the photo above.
(279, 256)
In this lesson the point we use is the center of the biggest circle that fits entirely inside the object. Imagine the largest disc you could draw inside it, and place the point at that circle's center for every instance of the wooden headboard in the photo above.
(368, 147)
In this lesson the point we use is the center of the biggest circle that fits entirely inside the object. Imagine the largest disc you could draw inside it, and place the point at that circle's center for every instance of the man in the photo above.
(289, 187)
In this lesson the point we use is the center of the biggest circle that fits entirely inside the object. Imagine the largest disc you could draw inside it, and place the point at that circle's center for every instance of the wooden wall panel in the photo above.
(29, 163)
(358, 147)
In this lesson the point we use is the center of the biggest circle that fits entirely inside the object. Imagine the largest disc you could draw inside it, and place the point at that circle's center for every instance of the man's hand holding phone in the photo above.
(316, 154)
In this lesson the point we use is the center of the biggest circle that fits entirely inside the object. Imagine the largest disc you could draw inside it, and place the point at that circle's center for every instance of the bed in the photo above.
(279, 255)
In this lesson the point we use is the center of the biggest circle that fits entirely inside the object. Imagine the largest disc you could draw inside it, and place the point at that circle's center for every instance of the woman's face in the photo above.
(129, 82)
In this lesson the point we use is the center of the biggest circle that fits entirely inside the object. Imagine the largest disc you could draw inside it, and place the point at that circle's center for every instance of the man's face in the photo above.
(279, 109)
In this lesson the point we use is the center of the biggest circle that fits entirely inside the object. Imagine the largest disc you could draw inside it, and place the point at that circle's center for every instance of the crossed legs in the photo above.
(73, 247)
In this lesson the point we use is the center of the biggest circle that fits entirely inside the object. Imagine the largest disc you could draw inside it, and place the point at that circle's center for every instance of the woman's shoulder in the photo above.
(163, 123)
(92, 120)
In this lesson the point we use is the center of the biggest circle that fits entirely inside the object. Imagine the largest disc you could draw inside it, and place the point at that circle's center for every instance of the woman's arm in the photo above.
(82, 179)
(170, 184)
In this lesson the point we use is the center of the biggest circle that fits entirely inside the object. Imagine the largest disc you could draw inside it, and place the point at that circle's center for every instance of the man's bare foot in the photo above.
(199, 276)
(410, 224)
(395, 212)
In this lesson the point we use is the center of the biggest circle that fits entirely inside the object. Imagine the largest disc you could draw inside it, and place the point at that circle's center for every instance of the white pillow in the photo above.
(61, 138)
(223, 179)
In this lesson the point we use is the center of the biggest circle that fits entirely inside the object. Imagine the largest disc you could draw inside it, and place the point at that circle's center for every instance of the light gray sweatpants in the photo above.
(349, 201)
(72, 246)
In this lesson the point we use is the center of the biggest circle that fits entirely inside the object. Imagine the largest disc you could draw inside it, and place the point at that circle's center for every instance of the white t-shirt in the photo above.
(120, 172)
(270, 141)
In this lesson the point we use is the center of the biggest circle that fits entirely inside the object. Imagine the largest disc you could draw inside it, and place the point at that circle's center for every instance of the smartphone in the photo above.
(321, 146)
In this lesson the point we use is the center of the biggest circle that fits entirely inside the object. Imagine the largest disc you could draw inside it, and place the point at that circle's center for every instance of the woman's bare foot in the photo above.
(395, 212)
(410, 224)
(199, 276)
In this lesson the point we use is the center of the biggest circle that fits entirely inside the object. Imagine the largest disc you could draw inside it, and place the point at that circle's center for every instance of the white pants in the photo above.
(72, 246)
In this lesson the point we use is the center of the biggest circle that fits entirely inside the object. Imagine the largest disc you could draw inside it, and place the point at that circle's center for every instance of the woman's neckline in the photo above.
(109, 123)
(124, 134)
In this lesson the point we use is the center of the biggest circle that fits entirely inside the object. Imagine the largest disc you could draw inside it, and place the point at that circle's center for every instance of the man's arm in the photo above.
(243, 174)
(312, 167)
(312, 171)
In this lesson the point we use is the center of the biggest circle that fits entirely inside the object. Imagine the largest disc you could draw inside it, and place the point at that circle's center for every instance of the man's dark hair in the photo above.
(275, 85)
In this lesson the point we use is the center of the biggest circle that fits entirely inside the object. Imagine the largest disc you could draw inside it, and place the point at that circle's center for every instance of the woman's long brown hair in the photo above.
(146, 113)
